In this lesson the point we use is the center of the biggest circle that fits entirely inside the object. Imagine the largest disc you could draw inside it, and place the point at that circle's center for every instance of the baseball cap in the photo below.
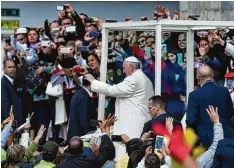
(50, 148)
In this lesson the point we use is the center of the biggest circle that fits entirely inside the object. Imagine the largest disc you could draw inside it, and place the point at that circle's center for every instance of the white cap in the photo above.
(132, 59)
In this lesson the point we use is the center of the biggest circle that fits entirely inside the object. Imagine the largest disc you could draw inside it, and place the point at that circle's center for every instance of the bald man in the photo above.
(199, 100)
(131, 106)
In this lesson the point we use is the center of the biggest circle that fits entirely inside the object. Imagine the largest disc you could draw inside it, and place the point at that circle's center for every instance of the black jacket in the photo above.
(10, 97)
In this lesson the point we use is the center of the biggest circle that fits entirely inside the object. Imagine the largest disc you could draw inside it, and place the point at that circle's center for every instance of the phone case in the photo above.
(159, 142)
(93, 34)
(180, 58)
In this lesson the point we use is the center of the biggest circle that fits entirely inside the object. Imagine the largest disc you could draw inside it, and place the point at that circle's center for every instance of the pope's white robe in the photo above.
(131, 106)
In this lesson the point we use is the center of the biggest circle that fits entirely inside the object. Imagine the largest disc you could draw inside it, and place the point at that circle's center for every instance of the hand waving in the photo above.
(169, 124)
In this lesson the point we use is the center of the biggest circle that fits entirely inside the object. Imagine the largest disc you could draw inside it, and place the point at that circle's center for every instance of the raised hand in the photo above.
(111, 120)
(202, 51)
(95, 149)
(148, 150)
(68, 8)
(176, 15)
(213, 114)
(12, 117)
(125, 138)
(146, 136)
(169, 124)
(4, 123)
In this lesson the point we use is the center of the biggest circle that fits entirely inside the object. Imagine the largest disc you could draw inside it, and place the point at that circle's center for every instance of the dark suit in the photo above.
(197, 117)
(107, 152)
(224, 155)
(160, 119)
(10, 97)
(82, 109)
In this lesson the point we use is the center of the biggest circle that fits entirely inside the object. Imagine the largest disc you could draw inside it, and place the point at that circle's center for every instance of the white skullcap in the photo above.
(132, 59)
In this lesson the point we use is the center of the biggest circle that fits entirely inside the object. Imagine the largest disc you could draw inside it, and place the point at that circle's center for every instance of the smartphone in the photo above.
(70, 29)
(83, 48)
(94, 122)
(95, 140)
(21, 31)
(55, 30)
(111, 21)
(60, 8)
(88, 20)
(158, 143)
(94, 34)
(8, 41)
(116, 138)
(164, 48)
(45, 43)
(179, 58)
(197, 62)
(65, 50)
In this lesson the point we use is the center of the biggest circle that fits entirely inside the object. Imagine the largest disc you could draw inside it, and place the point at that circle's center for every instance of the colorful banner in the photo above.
(10, 24)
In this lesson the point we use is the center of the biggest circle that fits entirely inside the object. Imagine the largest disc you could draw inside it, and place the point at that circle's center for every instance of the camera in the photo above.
(46, 43)
(70, 29)
(83, 48)
(65, 50)
(55, 30)
(116, 138)
(21, 31)
(61, 8)
(94, 122)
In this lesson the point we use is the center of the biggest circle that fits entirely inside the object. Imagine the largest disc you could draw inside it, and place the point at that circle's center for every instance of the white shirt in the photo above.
(9, 78)
(90, 93)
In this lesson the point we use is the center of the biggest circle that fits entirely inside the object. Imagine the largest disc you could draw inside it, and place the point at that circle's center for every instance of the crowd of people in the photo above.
(51, 80)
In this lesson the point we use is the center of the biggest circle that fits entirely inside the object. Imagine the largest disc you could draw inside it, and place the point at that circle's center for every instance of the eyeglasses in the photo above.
(67, 24)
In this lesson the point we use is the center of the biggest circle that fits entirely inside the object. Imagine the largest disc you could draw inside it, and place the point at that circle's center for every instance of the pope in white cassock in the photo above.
(132, 97)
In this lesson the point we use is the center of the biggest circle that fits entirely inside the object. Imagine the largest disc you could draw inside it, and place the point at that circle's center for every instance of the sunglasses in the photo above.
(142, 41)
(67, 24)
(21, 39)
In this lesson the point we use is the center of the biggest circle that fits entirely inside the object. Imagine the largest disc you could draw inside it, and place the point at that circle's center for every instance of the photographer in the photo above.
(67, 61)
(92, 34)
(78, 54)
(66, 18)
